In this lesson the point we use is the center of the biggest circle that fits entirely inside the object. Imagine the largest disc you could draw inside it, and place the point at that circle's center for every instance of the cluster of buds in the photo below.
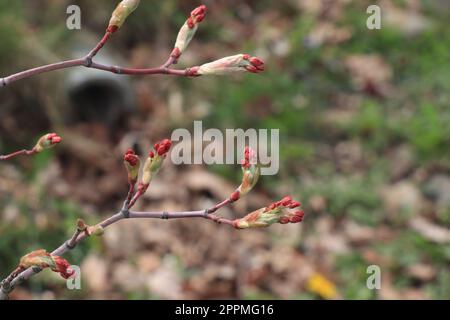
(42, 259)
(121, 13)
(151, 167)
(250, 174)
(188, 31)
(232, 64)
(46, 142)
(283, 211)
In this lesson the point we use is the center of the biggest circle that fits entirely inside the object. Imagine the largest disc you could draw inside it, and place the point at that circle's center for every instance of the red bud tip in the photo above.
(151, 154)
(286, 201)
(199, 11)
(131, 157)
(62, 266)
(248, 152)
(256, 64)
(294, 204)
(297, 217)
(163, 147)
(53, 138)
(235, 196)
(284, 220)
(197, 16)
(252, 69)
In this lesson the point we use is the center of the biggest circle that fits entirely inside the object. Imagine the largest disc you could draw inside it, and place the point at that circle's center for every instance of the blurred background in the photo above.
(364, 125)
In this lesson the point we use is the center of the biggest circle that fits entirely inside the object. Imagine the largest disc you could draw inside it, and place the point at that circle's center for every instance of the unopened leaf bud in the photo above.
(132, 164)
(188, 31)
(47, 141)
(232, 64)
(121, 13)
(278, 212)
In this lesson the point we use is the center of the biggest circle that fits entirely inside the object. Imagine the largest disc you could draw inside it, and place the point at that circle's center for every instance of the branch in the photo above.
(185, 35)
(19, 275)
(277, 212)
(47, 141)
(17, 153)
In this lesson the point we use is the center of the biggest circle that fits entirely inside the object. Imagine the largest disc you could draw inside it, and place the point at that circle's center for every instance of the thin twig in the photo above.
(87, 61)
(220, 205)
(99, 46)
(129, 196)
(43, 69)
(17, 153)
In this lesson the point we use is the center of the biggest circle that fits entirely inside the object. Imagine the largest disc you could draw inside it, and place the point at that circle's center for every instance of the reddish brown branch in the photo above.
(43, 69)
(130, 195)
(237, 63)
(220, 205)
(99, 46)
(17, 153)
(229, 64)
(45, 142)
(19, 275)
(88, 63)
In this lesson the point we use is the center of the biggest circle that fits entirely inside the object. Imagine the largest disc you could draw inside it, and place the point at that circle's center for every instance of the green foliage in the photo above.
(429, 132)
(353, 196)
(352, 270)
(10, 31)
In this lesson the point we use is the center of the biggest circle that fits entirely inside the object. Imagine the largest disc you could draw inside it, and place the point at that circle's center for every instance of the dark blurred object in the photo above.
(96, 96)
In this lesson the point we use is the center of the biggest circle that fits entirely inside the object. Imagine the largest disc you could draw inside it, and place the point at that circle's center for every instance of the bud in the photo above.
(96, 230)
(251, 172)
(38, 258)
(278, 212)
(81, 225)
(132, 164)
(46, 142)
(188, 31)
(237, 63)
(197, 16)
(235, 196)
(43, 259)
(154, 162)
(62, 267)
(120, 14)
